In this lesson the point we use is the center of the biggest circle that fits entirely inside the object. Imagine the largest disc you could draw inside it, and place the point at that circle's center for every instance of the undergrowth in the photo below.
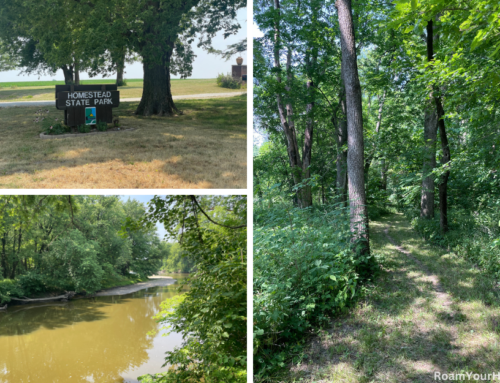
(305, 271)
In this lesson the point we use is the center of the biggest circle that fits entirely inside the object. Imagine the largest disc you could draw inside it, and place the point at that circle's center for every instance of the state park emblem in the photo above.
(90, 116)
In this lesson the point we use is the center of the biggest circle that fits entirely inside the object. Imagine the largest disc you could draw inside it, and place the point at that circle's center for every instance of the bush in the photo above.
(83, 128)
(305, 270)
(57, 129)
(227, 81)
(10, 288)
(32, 283)
(101, 126)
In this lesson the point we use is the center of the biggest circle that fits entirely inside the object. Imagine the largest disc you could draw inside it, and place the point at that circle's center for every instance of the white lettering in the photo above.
(72, 102)
(476, 376)
(68, 102)
(78, 103)
(87, 102)
(437, 375)
(108, 94)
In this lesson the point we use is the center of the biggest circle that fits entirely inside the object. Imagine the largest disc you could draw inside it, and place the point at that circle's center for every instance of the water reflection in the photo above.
(85, 341)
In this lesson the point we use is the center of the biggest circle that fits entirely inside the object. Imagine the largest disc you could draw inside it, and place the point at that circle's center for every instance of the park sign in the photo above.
(87, 104)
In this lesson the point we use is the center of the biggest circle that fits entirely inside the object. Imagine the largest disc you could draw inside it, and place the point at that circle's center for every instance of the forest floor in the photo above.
(205, 147)
(428, 311)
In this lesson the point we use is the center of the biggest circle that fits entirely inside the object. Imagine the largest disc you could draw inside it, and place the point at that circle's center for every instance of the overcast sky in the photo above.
(205, 65)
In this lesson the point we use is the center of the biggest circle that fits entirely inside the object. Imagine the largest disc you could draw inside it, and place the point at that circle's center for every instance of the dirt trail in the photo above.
(154, 281)
(428, 312)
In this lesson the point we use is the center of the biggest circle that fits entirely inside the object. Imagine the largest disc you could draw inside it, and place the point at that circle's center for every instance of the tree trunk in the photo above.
(68, 74)
(429, 163)
(383, 174)
(355, 144)
(156, 94)
(120, 68)
(340, 124)
(4, 255)
(77, 75)
(304, 196)
(446, 157)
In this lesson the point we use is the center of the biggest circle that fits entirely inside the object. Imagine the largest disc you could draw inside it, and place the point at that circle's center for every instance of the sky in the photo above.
(205, 65)
(160, 229)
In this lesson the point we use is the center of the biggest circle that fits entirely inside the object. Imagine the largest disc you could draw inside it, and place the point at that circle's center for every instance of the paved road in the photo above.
(188, 96)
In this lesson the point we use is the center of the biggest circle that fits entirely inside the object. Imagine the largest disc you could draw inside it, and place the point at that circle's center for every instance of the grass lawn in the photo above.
(203, 148)
(402, 331)
(10, 92)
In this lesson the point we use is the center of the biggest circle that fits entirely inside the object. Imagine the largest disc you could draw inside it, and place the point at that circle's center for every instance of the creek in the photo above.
(106, 339)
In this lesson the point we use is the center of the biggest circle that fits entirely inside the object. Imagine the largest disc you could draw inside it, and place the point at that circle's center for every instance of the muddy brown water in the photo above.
(83, 340)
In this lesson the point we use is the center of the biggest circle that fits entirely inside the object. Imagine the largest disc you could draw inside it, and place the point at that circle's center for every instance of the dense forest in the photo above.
(76, 243)
(369, 111)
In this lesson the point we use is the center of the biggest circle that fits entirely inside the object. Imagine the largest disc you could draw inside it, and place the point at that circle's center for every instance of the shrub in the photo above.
(305, 270)
(227, 81)
(32, 283)
(83, 128)
(9, 288)
(101, 126)
(57, 128)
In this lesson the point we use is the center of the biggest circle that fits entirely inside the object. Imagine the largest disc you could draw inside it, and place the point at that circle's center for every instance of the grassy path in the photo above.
(429, 311)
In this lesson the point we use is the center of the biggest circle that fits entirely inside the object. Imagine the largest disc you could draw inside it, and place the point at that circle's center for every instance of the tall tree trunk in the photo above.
(4, 255)
(429, 163)
(383, 174)
(446, 157)
(120, 68)
(68, 74)
(77, 75)
(355, 144)
(304, 196)
(156, 94)
(340, 124)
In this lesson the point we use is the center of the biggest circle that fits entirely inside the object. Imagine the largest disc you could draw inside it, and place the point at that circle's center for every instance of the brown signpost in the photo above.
(87, 104)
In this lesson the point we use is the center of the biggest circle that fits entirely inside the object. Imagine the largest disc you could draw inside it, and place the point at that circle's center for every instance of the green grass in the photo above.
(45, 90)
(21, 84)
(400, 332)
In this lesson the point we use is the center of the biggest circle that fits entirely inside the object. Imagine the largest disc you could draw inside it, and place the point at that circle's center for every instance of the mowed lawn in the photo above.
(18, 91)
(205, 147)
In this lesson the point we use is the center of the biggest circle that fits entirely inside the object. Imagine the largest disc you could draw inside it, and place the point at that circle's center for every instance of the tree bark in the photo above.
(77, 75)
(355, 154)
(120, 68)
(4, 255)
(429, 163)
(340, 124)
(156, 94)
(68, 74)
(446, 157)
(298, 165)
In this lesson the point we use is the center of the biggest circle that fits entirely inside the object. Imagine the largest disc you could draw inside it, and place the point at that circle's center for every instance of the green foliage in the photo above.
(57, 128)
(32, 283)
(10, 288)
(83, 128)
(101, 126)
(305, 271)
(212, 314)
(228, 81)
(177, 261)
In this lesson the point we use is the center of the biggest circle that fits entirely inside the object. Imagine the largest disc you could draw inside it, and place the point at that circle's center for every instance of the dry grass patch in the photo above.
(402, 331)
(203, 148)
(133, 89)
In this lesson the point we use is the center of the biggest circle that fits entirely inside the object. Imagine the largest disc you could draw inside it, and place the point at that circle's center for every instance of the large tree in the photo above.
(354, 112)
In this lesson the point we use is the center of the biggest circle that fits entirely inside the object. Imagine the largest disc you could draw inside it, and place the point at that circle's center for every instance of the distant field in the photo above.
(44, 90)
(21, 84)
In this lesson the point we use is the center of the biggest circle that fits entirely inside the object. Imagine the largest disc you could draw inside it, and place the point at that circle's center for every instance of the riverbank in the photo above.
(153, 281)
